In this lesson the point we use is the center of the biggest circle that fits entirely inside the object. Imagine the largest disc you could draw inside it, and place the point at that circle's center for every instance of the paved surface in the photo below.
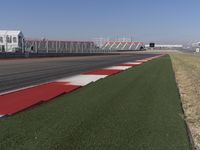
(20, 73)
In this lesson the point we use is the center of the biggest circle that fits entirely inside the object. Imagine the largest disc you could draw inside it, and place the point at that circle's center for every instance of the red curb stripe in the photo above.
(103, 72)
(21, 100)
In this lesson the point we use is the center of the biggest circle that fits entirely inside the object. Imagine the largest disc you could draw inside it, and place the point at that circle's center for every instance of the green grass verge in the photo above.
(137, 109)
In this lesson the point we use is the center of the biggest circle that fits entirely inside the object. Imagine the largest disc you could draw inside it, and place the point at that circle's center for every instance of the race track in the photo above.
(26, 72)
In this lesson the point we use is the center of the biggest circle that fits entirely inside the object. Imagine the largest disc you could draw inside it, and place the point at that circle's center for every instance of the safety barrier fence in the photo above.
(48, 46)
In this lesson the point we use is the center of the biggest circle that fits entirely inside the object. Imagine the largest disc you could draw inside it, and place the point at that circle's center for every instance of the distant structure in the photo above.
(152, 45)
(119, 44)
(164, 46)
(11, 41)
(124, 46)
(196, 47)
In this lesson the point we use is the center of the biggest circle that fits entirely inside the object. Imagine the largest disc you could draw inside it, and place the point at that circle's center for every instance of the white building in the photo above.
(196, 47)
(11, 41)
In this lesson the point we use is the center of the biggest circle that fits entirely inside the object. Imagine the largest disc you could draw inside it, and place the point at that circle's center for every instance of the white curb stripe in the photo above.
(118, 67)
(142, 60)
(82, 80)
(134, 63)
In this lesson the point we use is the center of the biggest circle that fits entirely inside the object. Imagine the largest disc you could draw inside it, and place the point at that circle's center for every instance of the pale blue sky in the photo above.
(145, 20)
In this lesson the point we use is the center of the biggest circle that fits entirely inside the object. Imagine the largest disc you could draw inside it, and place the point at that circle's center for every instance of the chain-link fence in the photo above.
(48, 46)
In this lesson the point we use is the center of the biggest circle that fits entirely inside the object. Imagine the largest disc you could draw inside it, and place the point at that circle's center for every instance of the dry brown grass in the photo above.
(187, 70)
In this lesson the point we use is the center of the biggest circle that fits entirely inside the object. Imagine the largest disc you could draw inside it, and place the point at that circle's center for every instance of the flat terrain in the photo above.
(187, 69)
(19, 73)
(137, 109)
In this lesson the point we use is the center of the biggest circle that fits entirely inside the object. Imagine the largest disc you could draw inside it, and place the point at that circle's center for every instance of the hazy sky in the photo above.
(146, 20)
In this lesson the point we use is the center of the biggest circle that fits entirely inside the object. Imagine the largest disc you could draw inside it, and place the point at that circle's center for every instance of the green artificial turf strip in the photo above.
(137, 109)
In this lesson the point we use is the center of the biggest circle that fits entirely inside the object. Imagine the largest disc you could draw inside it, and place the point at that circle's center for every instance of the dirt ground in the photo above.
(187, 70)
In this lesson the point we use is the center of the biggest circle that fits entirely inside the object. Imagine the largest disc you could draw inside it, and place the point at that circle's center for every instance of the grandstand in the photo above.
(124, 46)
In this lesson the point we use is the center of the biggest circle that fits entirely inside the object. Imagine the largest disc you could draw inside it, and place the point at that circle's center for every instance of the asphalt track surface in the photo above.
(16, 74)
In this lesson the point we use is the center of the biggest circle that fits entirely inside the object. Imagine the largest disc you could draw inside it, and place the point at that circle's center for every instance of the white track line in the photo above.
(118, 67)
(24, 88)
(82, 80)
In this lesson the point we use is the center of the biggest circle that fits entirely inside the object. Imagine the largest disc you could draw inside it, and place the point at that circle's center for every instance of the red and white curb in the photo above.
(134, 63)
(82, 80)
(18, 100)
(118, 68)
